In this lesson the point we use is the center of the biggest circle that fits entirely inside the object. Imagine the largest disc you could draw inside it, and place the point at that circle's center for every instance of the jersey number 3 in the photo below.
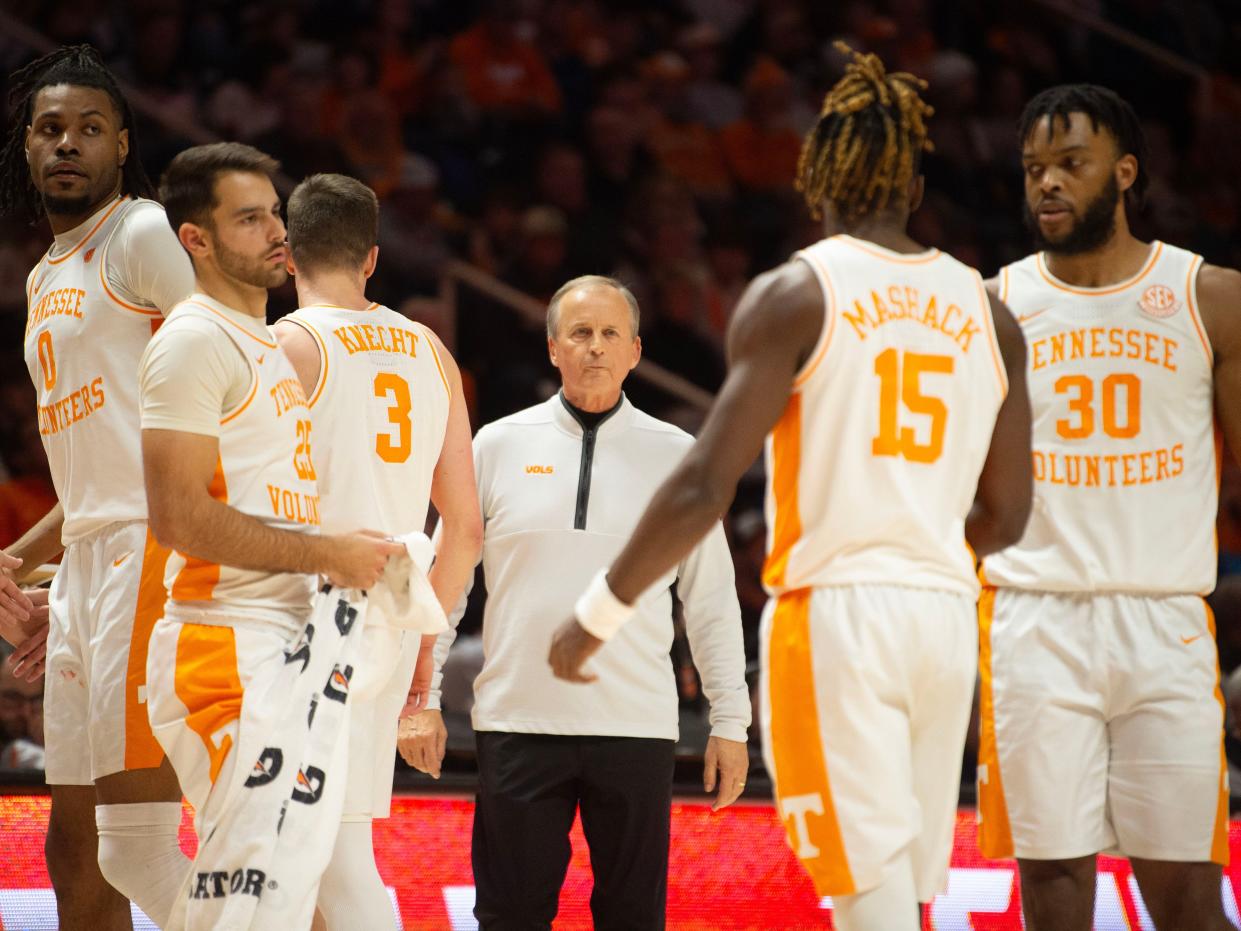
(395, 389)
(900, 395)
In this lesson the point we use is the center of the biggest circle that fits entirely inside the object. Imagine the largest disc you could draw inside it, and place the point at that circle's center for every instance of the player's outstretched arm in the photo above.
(38, 544)
(777, 323)
(1219, 302)
(179, 468)
(1006, 485)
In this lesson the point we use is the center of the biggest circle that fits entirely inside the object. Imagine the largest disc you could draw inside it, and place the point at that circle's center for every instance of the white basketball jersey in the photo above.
(264, 470)
(83, 343)
(874, 464)
(380, 409)
(1126, 478)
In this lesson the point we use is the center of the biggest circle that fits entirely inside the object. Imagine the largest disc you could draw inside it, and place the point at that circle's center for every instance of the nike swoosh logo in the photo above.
(1022, 318)
(1188, 640)
(118, 562)
(261, 358)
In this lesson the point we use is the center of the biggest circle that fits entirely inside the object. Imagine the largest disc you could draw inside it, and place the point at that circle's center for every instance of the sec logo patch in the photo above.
(1159, 301)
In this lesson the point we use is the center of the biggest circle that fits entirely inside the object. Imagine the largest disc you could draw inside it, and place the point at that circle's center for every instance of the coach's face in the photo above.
(1074, 181)
(594, 347)
(247, 234)
(75, 148)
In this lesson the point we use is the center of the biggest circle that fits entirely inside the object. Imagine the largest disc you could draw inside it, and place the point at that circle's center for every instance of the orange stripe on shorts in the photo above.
(1219, 840)
(142, 750)
(802, 787)
(207, 683)
(995, 835)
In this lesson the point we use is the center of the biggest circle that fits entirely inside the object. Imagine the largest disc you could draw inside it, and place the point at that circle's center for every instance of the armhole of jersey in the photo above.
(227, 416)
(829, 321)
(113, 297)
(993, 339)
(1191, 302)
(1004, 284)
(321, 381)
(435, 355)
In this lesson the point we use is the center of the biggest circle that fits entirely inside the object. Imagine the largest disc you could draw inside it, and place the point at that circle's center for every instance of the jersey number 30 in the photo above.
(900, 396)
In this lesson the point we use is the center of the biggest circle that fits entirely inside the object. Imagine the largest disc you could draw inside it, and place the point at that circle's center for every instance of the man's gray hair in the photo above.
(590, 281)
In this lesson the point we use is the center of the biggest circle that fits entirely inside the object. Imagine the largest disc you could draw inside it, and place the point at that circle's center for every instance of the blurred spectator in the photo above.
(416, 227)
(541, 264)
(684, 147)
(26, 492)
(21, 721)
(505, 75)
(762, 148)
(560, 182)
(712, 100)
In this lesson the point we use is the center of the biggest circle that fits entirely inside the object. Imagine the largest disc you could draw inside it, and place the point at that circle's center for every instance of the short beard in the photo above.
(66, 206)
(1095, 227)
(249, 270)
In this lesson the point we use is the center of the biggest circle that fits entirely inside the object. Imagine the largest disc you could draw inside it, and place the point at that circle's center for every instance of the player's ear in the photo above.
(1126, 171)
(289, 264)
(194, 239)
(372, 260)
(122, 146)
(917, 189)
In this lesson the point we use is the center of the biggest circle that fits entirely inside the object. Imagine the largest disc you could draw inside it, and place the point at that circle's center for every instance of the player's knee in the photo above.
(1059, 873)
(70, 852)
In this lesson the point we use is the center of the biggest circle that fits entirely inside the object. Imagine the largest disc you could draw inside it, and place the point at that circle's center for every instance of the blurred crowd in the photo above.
(653, 140)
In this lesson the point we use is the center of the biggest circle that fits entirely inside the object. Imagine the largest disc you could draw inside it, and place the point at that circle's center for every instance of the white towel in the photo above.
(404, 598)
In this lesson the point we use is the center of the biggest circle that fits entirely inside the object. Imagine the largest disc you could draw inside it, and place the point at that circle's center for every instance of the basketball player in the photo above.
(94, 299)
(880, 373)
(227, 449)
(393, 434)
(1102, 715)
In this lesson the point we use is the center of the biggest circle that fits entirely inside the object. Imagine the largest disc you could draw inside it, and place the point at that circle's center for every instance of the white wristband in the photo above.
(601, 613)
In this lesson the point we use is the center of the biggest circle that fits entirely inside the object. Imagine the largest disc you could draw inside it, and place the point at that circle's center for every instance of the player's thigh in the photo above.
(66, 689)
(944, 636)
(372, 733)
(1167, 790)
(836, 735)
(127, 597)
(1043, 756)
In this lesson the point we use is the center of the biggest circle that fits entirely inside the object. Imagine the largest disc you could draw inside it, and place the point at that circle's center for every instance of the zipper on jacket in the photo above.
(587, 460)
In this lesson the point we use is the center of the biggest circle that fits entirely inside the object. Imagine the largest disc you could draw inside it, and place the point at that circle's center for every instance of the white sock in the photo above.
(139, 854)
(890, 906)
(351, 894)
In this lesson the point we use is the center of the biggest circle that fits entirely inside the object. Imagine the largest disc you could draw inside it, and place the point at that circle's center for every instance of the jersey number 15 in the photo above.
(901, 396)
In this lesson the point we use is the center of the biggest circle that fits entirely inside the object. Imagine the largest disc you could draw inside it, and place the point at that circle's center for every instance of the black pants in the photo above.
(529, 788)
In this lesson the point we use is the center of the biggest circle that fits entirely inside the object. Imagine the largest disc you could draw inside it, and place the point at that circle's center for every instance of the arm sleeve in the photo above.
(707, 588)
(190, 376)
(146, 264)
(445, 640)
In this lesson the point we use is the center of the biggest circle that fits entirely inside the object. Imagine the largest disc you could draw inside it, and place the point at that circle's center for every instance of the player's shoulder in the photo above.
(141, 215)
(1218, 293)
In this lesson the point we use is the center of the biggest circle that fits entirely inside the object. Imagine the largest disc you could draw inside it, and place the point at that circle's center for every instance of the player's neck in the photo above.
(1118, 259)
(332, 290)
(64, 222)
(887, 231)
(244, 298)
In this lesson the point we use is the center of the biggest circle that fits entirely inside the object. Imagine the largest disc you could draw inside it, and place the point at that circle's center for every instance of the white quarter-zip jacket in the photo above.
(558, 503)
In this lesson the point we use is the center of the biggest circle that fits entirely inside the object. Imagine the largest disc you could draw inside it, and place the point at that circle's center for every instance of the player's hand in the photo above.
(30, 659)
(358, 559)
(725, 765)
(16, 609)
(420, 688)
(9, 564)
(421, 739)
(571, 647)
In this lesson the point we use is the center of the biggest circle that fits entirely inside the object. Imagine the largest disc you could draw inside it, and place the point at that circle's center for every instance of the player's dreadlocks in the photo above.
(1104, 108)
(868, 142)
(78, 65)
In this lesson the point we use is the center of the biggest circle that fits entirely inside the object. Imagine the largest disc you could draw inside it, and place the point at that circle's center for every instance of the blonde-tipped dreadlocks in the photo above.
(868, 141)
